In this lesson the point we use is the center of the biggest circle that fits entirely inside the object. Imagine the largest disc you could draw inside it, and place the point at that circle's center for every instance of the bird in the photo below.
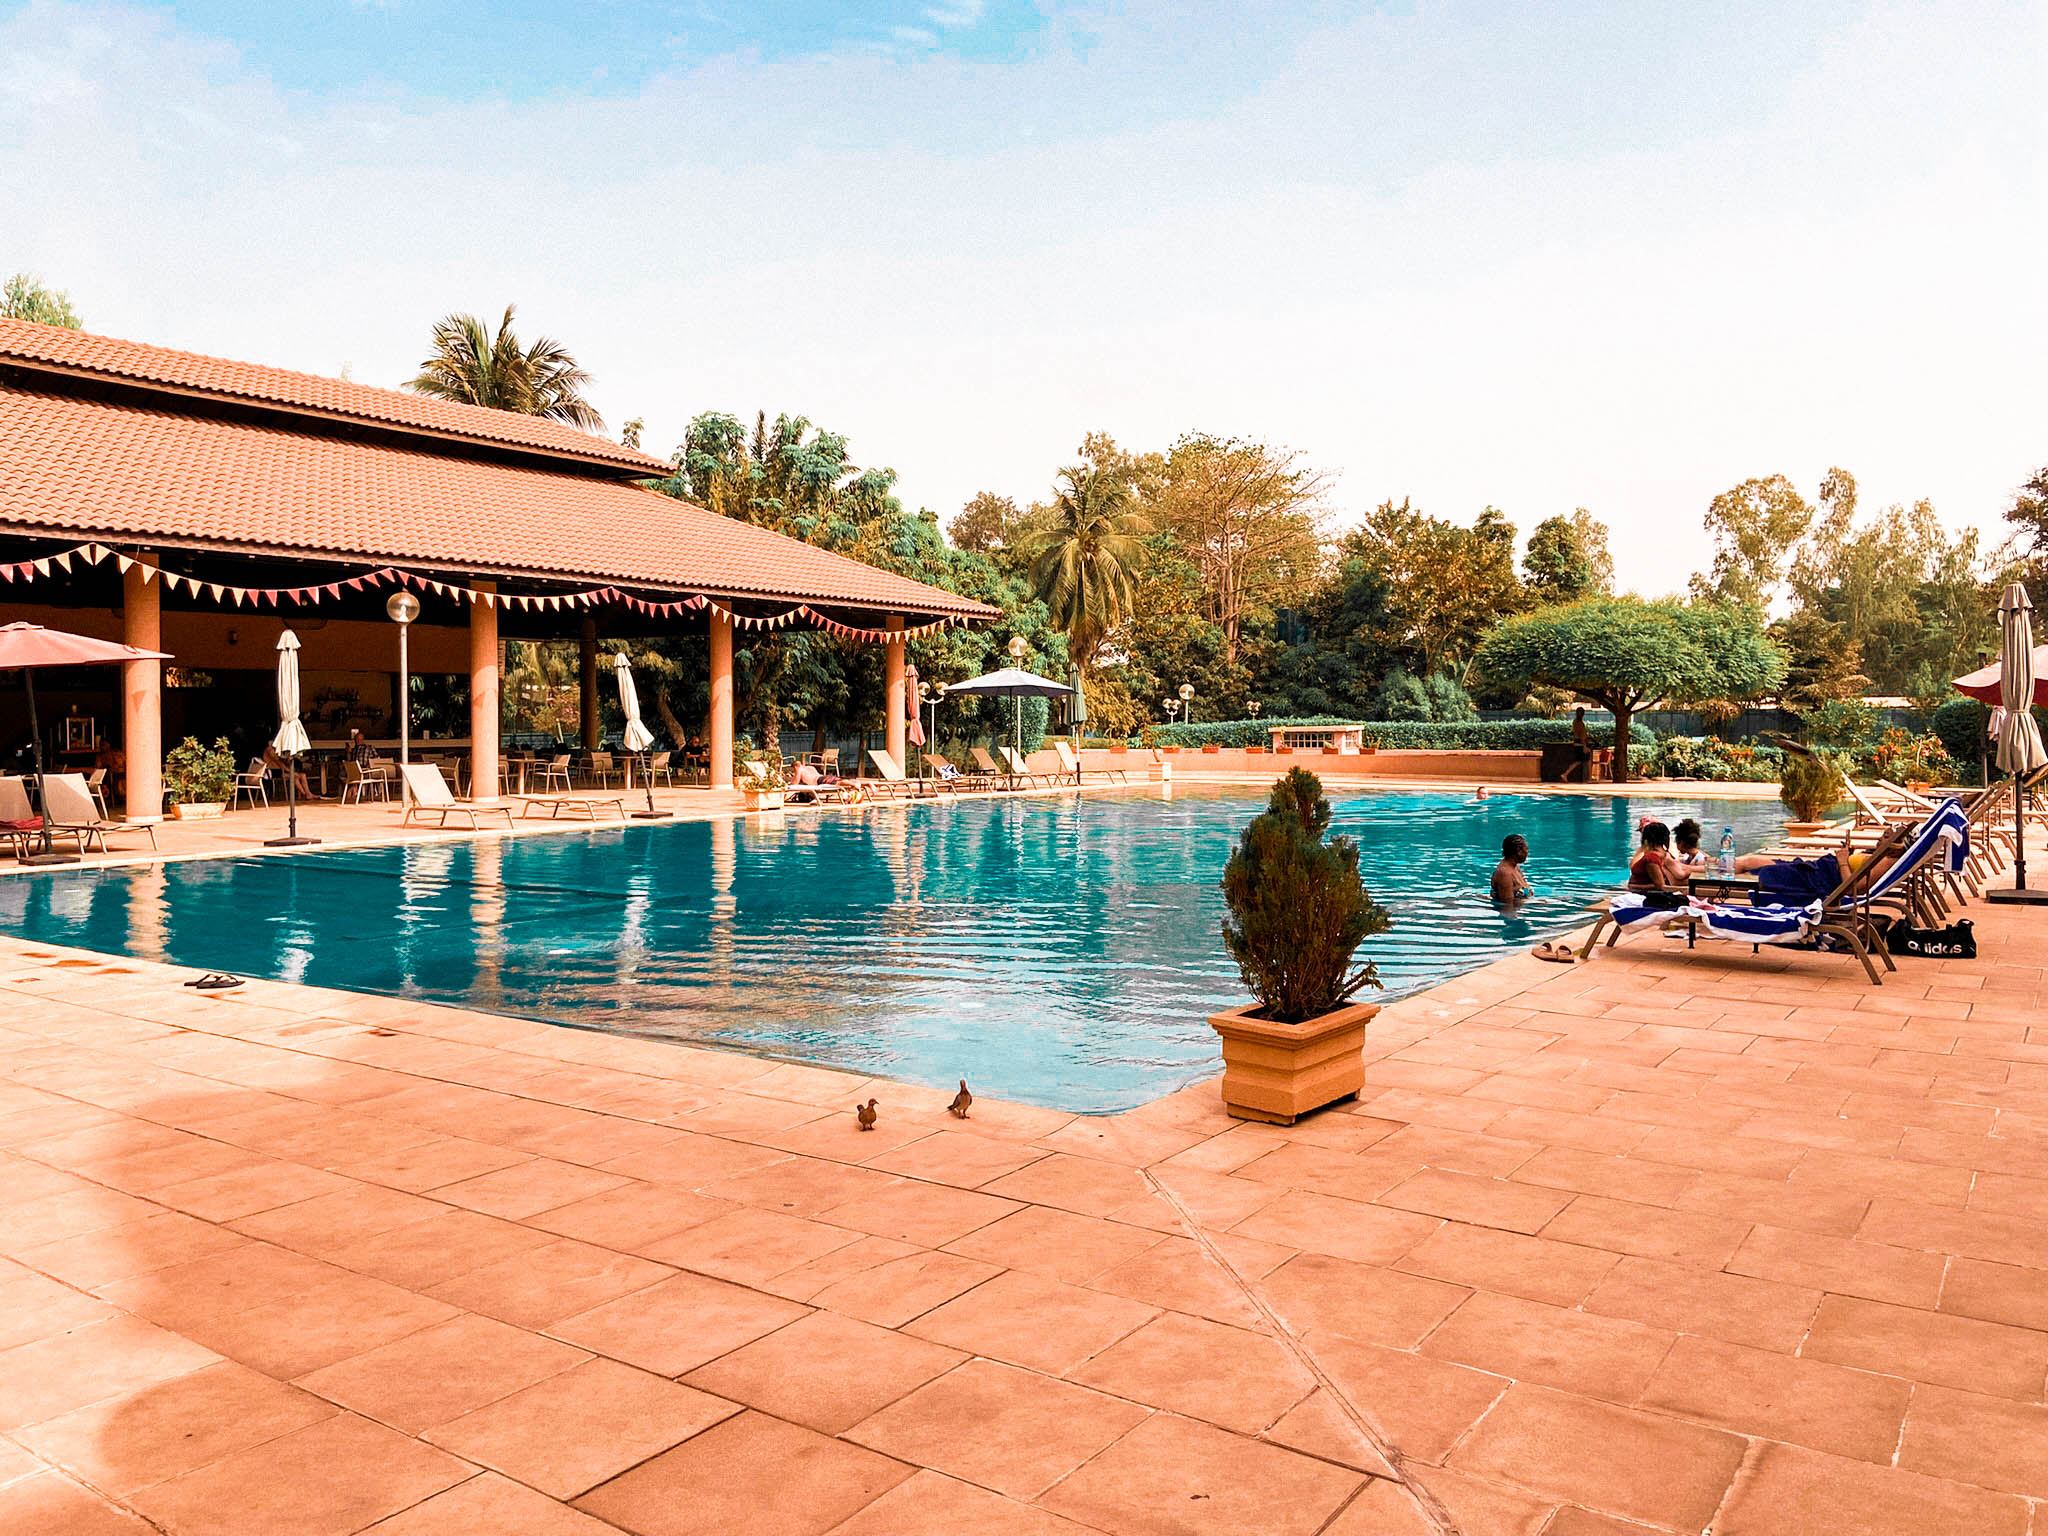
(961, 1101)
(865, 1114)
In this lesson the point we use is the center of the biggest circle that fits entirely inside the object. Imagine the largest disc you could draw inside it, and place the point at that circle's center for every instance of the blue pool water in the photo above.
(1061, 951)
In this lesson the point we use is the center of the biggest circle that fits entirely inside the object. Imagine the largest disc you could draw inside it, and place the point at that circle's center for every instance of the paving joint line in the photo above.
(1382, 1445)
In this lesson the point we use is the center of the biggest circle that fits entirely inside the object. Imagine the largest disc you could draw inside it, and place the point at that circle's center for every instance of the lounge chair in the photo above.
(19, 822)
(431, 796)
(955, 778)
(73, 812)
(998, 773)
(1843, 914)
(1071, 761)
(893, 783)
(1024, 770)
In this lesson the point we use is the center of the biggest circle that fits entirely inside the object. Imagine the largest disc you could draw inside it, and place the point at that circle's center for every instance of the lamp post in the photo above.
(1254, 708)
(1187, 700)
(1172, 709)
(403, 608)
(1018, 650)
(928, 698)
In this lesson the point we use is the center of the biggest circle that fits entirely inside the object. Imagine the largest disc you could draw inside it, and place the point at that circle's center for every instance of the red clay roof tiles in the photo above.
(106, 357)
(126, 474)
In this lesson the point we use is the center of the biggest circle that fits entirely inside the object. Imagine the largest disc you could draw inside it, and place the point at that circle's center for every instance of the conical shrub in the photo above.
(1298, 908)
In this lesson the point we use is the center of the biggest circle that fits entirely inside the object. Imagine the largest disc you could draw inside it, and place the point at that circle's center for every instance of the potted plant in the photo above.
(763, 788)
(198, 780)
(1810, 785)
(1212, 746)
(1298, 912)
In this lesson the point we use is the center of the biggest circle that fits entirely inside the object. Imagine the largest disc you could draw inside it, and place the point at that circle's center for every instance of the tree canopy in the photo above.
(25, 297)
(473, 365)
(1623, 653)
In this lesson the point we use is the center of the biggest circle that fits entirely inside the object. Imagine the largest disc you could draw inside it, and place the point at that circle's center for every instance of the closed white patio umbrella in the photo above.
(290, 739)
(638, 738)
(2020, 752)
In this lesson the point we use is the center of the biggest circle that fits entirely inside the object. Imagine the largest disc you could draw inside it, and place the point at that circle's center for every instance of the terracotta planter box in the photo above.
(1333, 751)
(764, 799)
(1253, 751)
(1283, 751)
(1212, 747)
(1116, 748)
(1169, 749)
(198, 810)
(1804, 828)
(1279, 1072)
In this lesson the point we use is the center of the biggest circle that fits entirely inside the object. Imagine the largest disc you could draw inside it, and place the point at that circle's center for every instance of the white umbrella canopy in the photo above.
(2019, 740)
(291, 734)
(638, 737)
(1011, 683)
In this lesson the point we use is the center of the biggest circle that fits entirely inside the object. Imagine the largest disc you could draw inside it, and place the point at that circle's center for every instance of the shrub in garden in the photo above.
(1810, 784)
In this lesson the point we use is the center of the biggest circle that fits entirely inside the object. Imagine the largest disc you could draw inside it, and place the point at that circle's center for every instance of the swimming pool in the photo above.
(1057, 950)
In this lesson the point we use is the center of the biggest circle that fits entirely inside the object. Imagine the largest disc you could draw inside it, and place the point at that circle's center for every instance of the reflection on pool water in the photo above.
(1061, 951)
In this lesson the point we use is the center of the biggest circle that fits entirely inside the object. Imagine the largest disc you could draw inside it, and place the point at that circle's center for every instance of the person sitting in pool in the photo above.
(1653, 868)
(1510, 885)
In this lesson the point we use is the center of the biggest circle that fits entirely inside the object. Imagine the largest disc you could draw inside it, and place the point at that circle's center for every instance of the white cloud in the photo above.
(1462, 285)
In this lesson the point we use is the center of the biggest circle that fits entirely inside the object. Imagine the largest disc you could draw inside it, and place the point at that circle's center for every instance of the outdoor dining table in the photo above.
(1715, 883)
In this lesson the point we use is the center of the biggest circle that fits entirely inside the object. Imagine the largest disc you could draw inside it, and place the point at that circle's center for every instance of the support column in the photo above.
(721, 702)
(895, 709)
(142, 696)
(483, 696)
(586, 682)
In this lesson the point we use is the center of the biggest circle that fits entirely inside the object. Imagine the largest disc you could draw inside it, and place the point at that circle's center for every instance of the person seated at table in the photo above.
(274, 762)
(360, 752)
(1653, 868)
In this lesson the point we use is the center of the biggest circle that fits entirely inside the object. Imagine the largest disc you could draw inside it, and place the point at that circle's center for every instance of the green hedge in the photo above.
(1397, 735)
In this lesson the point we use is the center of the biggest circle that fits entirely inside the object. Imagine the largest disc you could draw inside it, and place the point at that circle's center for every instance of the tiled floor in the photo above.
(1660, 1243)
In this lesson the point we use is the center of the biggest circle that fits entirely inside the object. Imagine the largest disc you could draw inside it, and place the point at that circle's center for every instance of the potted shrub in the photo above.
(1212, 746)
(1254, 750)
(198, 780)
(764, 790)
(1298, 912)
(1810, 785)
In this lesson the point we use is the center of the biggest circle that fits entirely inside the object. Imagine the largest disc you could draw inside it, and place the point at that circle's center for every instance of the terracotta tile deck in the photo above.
(1655, 1244)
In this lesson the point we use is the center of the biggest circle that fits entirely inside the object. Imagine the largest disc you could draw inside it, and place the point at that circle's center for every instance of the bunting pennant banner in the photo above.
(227, 594)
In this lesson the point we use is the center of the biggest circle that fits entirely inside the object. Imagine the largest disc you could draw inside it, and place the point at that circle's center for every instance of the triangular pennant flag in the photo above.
(124, 563)
(42, 567)
(62, 561)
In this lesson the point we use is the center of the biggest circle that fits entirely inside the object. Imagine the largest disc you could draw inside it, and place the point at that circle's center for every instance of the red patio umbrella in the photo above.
(29, 646)
(1985, 682)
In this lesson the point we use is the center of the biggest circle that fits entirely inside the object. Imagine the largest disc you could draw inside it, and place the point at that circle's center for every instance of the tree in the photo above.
(1556, 564)
(987, 524)
(1446, 585)
(2027, 515)
(474, 367)
(1170, 640)
(1755, 526)
(1335, 647)
(1084, 557)
(24, 297)
(1623, 653)
(1248, 515)
(1593, 545)
(1821, 662)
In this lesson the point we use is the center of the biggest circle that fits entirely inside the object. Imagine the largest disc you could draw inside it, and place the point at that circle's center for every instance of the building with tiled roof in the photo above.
(148, 493)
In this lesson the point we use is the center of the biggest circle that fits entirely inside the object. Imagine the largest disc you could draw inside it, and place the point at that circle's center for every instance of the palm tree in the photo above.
(1084, 557)
(471, 366)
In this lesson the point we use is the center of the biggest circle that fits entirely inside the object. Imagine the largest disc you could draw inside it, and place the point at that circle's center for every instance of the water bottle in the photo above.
(1727, 850)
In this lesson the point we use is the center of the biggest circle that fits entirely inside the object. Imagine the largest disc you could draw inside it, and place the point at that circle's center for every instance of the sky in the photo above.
(1597, 255)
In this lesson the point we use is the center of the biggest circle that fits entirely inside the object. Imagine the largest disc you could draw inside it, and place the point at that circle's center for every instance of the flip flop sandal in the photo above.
(1551, 950)
(215, 981)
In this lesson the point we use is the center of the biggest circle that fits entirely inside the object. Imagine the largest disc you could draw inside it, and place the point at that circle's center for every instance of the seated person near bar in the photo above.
(1686, 838)
(273, 760)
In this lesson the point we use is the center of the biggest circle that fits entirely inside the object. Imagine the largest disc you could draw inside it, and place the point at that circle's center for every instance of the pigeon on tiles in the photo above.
(865, 1114)
(961, 1101)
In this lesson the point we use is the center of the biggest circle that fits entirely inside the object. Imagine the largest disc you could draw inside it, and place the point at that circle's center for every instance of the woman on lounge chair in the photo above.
(1794, 882)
